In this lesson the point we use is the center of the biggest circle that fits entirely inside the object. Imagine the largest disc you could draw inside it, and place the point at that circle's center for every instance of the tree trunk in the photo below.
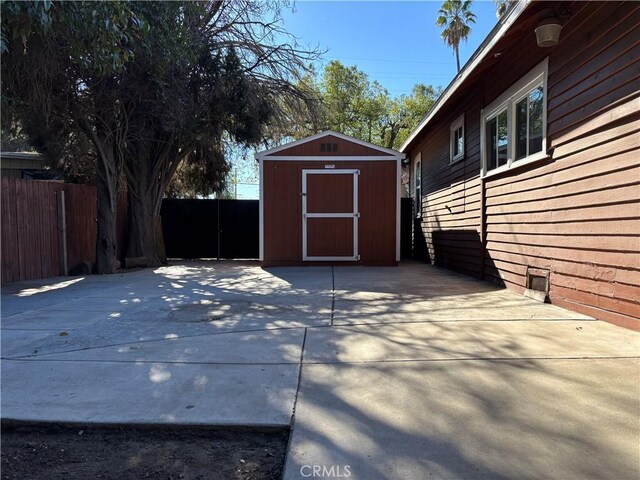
(457, 58)
(143, 211)
(393, 133)
(107, 240)
(142, 219)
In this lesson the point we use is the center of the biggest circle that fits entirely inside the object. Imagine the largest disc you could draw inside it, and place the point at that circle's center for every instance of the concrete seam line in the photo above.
(147, 362)
(252, 330)
(333, 294)
(475, 359)
(336, 362)
(295, 403)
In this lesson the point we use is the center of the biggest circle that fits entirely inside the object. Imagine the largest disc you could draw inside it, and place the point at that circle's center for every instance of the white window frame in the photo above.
(458, 123)
(535, 77)
(417, 186)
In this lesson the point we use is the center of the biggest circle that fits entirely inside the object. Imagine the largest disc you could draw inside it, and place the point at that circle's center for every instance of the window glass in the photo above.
(535, 120)
(456, 150)
(521, 128)
(514, 126)
(456, 140)
(458, 145)
(492, 157)
(418, 187)
(502, 138)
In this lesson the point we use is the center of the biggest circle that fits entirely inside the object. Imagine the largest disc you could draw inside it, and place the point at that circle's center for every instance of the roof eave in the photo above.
(503, 25)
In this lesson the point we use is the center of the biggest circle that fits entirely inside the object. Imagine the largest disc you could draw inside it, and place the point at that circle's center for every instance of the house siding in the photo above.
(450, 227)
(576, 213)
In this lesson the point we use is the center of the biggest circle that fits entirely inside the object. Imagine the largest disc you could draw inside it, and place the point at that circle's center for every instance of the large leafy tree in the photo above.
(352, 104)
(405, 112)
(455, 18)
(60, 64)
(185, 79)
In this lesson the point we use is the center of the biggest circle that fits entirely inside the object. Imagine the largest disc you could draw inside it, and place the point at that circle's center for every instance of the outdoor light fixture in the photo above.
(548, 32)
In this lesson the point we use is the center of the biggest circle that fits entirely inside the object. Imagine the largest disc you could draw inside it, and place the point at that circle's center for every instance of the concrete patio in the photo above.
(408, 372)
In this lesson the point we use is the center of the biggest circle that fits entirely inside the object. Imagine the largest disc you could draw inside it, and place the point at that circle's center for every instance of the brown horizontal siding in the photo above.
(575, 213)
(593, 184)
(582, 213)
(605, 41)
(451, 202)
(589, 42)
(544, 251)
(626, 243)
(607, 227)
(609, 288)
(612, 196)
(619, 109)
(613, 150)
(620, 164)
(566, 267)
(578, 217)
(613, 311)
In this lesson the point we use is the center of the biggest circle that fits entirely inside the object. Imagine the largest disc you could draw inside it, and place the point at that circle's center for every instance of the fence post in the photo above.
(218, 227)
(62, 232)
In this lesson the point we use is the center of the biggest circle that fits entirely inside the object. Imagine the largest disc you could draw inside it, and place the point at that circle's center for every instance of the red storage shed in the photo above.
(329, 199)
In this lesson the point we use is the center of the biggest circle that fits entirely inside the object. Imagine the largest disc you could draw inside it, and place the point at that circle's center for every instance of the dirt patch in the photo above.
(38, 451)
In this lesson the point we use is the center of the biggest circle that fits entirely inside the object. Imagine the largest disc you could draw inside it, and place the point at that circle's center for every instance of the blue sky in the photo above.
(396, 43)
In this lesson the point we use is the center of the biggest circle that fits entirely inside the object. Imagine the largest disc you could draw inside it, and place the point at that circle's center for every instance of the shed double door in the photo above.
(330, 215)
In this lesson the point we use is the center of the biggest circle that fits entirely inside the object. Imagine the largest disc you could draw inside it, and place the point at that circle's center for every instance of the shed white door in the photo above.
(330, 215)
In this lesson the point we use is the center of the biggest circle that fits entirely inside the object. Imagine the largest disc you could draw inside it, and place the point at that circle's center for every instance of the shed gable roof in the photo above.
(311, 147)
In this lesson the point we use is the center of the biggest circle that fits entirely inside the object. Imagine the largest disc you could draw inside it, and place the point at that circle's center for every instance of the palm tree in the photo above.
(454, 18)
(501, 7)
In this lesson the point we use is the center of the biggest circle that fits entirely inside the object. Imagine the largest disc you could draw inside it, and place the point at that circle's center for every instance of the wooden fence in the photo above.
(32, 228)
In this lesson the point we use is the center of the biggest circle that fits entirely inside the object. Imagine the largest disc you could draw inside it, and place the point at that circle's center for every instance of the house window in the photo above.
(418, 186)
(456, 140)
(514, 126)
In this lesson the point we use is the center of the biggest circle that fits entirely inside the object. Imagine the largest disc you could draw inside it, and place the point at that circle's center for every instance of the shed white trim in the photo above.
(261, 211)
(391, 153)
(329, 158)
(354, 215)
(398, 201)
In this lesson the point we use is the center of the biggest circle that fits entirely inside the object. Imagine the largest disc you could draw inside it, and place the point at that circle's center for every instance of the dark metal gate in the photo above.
(406, 227)
(222, 229)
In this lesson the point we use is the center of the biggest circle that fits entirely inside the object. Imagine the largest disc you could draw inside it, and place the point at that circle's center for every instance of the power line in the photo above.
(421, 77)
(391, 61)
